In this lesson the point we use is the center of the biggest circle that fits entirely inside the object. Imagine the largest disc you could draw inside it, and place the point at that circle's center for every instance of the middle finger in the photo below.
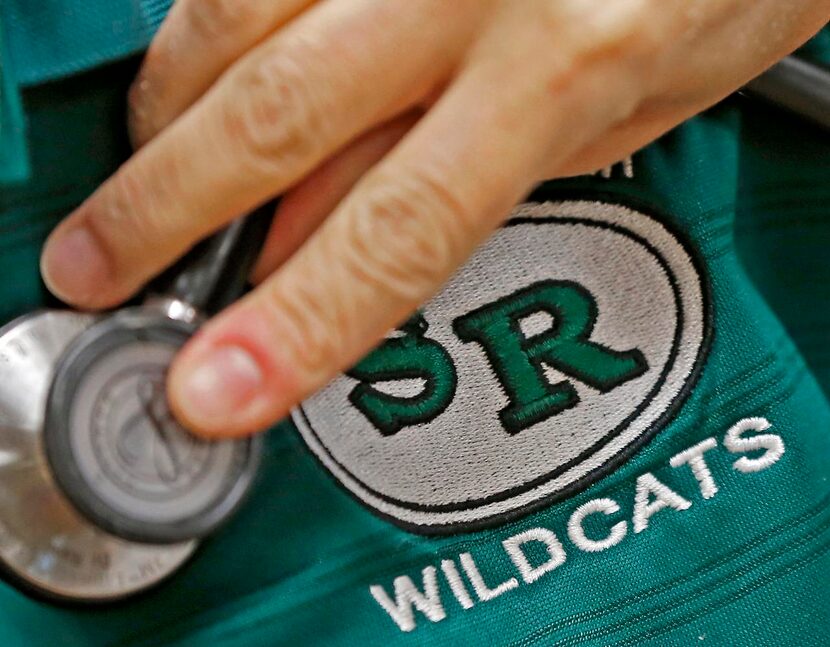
(171, 78)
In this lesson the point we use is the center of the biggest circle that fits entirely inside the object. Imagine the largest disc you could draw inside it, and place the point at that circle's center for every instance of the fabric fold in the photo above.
(14, 159)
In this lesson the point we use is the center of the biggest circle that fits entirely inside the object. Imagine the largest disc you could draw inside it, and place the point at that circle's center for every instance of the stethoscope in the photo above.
(798, 86)
(102, 493)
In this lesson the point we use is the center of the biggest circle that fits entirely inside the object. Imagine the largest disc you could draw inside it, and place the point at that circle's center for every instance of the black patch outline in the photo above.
(584, 336)
(539, 480)
(556, 197)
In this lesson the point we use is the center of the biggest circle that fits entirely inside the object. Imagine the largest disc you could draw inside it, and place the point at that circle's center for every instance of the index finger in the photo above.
(387, 247)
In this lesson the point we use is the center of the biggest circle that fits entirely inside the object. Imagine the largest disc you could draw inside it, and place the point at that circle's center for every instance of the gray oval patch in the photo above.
(563, 345)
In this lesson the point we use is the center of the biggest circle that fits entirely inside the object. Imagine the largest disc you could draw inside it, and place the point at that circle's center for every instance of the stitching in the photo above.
(701, 588)
(693, 457)
(754, 383)
(578, 618)
(576, 532)
(556, 553)
(483, 591)
(773, 444)
(711, 587)
(752, 586)
(660, 423)
(408, 596)
(715, 564)
(664, 497)
(456, 584)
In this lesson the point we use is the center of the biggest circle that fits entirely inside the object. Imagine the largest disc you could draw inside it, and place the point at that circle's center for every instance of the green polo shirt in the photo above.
(611, 426)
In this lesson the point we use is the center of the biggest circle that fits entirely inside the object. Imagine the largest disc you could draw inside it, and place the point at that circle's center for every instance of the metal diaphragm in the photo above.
(46, 546)
(116, 450)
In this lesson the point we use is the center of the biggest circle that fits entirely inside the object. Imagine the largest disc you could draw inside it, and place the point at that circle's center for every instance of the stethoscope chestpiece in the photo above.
(47, 547)
(103, 495)
(118, 453)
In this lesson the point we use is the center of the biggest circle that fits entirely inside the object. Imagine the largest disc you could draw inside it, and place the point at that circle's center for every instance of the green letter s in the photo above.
(409, 356)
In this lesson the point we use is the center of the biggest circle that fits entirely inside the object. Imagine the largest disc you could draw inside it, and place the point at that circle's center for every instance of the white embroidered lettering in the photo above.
(484, 592)
(556, 553)
(735, 443)
(693, 457)
(576, 531)
(664, 497)
(408, 596)
(456, 584)
(651, 496)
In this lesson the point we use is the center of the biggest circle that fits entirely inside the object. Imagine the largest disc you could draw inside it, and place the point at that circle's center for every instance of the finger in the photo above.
(623, 140)
(220, 31)
(271, 119)
(388, 246)
(704, 80)
(305, 206)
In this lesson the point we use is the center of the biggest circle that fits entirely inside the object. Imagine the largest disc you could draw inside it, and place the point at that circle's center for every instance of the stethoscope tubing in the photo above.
(798, 86)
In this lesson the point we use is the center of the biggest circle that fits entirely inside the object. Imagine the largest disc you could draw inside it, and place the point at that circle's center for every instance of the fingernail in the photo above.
(73, 265)
(217, 385)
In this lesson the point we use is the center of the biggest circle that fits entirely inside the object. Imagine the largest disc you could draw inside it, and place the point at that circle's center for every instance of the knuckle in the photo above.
(313, 325)
(142, 113)
(124, 221)
(279, 120)
(601, 51)
(399, 244)
(403, 236)
(592, 30)
(216, 18)
(124, 199)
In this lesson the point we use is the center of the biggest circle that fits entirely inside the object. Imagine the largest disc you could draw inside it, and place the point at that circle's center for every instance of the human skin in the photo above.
(401, 133)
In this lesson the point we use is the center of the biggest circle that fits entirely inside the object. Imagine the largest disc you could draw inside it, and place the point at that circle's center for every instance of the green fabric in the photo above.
(818, 49)
(76, 137)
(750, 566)
(783, 232)
(51, 39)
(14, 162)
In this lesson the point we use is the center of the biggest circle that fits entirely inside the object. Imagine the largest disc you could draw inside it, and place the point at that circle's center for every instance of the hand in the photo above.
(402, 132)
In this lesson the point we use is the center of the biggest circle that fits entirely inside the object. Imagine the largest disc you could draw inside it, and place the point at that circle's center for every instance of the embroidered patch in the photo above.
(562, 346)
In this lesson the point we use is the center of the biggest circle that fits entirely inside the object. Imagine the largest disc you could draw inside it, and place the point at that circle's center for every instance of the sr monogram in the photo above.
(517, 359)
(566, 343)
